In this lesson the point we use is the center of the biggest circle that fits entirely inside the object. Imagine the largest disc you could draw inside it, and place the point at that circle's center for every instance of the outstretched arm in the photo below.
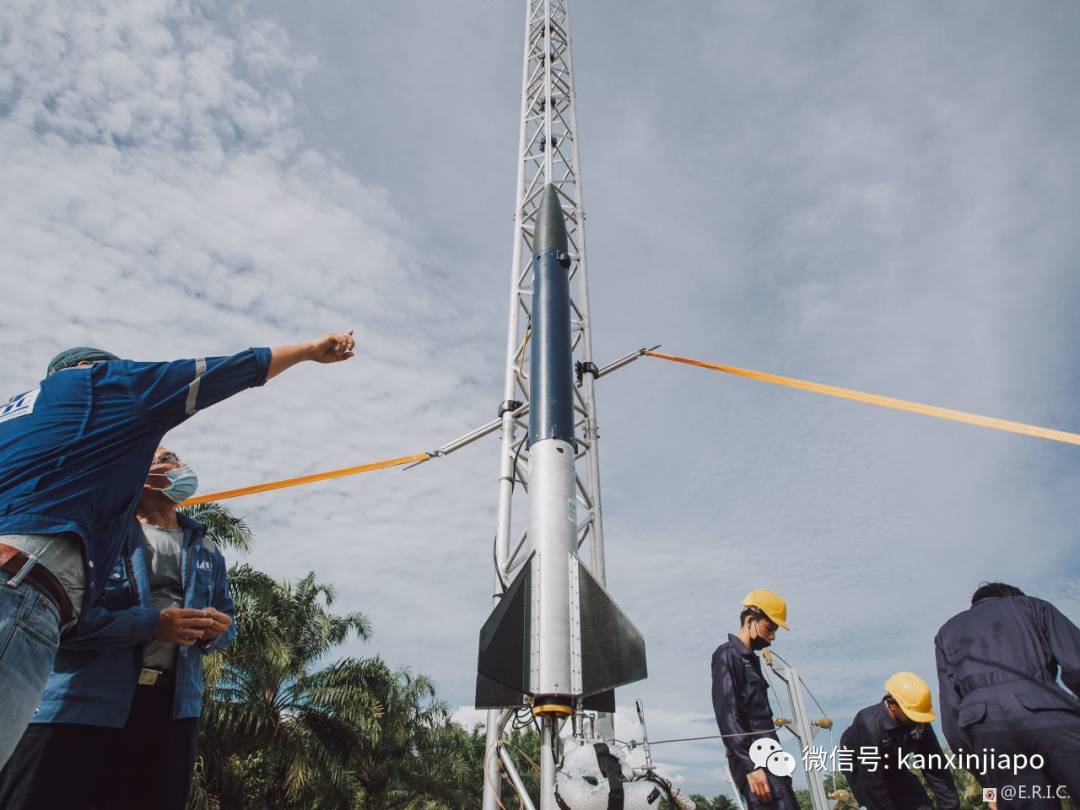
(332, 347)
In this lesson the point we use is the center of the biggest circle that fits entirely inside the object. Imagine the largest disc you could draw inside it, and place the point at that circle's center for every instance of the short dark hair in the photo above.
(751, 612)
(988, 590)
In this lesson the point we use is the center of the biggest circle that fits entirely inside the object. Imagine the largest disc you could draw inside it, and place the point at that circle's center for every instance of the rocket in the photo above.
(556, 636)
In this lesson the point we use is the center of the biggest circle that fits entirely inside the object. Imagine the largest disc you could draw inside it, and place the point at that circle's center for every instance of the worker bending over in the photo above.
(741, 701)
(885, 739)
(998, 667)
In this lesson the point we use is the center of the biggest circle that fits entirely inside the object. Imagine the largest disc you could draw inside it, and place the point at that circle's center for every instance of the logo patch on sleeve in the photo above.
(19, 405)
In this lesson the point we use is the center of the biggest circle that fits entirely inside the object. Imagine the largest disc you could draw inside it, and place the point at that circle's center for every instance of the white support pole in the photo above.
(815, 780)
(492, 748)
(548, 739)
(515, 779)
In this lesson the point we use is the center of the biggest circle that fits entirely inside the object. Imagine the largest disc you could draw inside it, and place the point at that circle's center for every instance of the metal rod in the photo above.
(625, 361)
(814, 778)
(547, 763)
(506, 462)
(515, 779)
(490, 427)
(496, 723)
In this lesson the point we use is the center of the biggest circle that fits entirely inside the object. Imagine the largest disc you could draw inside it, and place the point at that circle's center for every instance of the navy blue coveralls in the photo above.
(741, 702)
(879, 781)
(998, 665)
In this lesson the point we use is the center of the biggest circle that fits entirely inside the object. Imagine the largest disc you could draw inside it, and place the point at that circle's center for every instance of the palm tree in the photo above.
(222, 526)
(277, 731)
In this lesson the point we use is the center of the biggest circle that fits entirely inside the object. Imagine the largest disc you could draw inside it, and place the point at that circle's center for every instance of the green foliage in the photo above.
(222, 526)
(277, 730)
(282, 730)
(718, 802)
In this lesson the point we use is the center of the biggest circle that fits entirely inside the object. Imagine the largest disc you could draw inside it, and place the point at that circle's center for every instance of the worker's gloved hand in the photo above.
(333, 347)
(183, 626)
(759, 785)
(221, 623)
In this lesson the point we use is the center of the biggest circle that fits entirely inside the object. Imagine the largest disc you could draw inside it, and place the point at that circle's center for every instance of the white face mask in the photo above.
(183, 483)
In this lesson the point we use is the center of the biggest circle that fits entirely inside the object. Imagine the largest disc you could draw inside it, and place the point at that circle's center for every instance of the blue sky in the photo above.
(880, 196)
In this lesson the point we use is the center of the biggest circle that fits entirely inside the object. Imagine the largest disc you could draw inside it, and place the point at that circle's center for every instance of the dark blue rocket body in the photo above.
(551, 384)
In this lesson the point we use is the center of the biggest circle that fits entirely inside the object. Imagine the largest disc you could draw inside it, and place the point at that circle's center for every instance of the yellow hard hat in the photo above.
(912, 694)
(768, 603)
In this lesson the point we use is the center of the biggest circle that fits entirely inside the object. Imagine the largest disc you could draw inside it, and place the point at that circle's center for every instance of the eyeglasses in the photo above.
(167, 458)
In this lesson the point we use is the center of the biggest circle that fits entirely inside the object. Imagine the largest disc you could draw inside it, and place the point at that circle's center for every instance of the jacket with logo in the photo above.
(97, 667)
(74, 452)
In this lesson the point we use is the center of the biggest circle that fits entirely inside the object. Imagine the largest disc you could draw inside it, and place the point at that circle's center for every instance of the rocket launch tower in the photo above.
(555, 643)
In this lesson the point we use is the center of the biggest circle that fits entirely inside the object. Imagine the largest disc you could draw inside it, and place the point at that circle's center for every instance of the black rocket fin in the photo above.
(612, 648)
(502, 670)
(600, 702)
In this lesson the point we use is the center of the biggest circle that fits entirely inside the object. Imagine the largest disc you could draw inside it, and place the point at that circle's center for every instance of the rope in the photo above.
(881, 401)
(306, 479)
(635, 743)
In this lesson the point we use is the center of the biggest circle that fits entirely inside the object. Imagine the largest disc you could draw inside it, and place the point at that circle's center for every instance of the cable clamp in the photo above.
(586, 367)
(508, 405)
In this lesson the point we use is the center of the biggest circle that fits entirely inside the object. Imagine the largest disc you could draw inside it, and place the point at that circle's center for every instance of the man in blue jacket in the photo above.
(999, 663)
(121, 707)
(73, 458)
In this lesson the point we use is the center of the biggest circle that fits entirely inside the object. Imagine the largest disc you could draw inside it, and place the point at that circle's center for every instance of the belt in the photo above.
(156, 677)
(981, 680)
(14, 561)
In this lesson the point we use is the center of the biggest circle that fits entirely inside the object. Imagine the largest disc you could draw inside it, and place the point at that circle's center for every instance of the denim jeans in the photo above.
(29, 636)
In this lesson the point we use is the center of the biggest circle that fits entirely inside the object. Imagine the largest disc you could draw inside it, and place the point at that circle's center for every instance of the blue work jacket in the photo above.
(97, 667)
(74, 452)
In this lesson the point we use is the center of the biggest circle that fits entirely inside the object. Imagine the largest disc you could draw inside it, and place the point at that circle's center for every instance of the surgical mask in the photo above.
(183, 483)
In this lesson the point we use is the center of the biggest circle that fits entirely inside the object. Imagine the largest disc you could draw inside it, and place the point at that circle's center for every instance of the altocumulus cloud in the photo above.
(159, 201)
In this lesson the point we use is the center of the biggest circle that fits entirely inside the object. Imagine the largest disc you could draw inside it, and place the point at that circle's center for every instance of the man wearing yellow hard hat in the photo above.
(741, 702)
(888, 738)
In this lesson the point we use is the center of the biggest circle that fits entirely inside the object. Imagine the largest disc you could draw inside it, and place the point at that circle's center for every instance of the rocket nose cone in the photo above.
(550, 233)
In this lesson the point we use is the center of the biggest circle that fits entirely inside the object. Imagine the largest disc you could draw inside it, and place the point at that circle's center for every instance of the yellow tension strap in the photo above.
(305, 479)
(884, 402)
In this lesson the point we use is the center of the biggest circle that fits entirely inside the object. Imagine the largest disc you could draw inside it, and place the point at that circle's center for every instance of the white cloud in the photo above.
(878, 197)
(160, 202)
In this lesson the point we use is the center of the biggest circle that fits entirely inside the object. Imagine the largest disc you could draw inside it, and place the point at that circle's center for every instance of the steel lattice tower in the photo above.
(548, 153)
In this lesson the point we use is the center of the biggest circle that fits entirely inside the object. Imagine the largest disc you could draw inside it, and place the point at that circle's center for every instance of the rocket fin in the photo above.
(612, 648)
(503, 665)
(600, 702)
